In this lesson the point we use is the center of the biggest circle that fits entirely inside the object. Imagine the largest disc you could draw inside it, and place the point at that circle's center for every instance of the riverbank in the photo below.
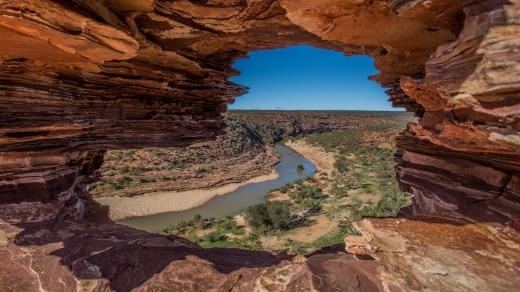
(322, 159)
(238, 155)
(354, 179)
(232, 202)
(174, 201)
(161, 202)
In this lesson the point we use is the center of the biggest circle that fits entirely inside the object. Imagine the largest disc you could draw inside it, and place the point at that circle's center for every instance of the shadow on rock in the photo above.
(128, 258)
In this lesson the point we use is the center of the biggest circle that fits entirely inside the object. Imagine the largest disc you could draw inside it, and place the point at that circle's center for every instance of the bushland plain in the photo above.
(353, 152)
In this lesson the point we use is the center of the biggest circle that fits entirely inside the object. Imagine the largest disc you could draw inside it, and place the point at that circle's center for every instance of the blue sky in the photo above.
(303, 77)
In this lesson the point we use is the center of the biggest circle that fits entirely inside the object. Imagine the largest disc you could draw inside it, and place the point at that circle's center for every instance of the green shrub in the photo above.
(182, 224)
(308, 192)
(269, 215)
(341, 163)
(202, 224)
(214, 236)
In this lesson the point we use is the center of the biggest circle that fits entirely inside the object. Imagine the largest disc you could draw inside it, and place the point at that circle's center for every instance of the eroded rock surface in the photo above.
(434, 253)
(463, 156)
(99, 255)
(79, 77)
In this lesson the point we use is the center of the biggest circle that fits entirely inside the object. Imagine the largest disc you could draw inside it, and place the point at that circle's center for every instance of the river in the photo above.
(233, 202)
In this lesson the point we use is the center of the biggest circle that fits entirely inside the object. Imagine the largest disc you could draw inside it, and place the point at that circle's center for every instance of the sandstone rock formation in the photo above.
(355, 244)
(98, 255)
(433, 253)
(79, 77)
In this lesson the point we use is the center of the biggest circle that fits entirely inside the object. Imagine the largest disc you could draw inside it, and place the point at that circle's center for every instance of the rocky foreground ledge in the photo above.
(99, 255)
(80, 77)
(438, 253)
(426, 253)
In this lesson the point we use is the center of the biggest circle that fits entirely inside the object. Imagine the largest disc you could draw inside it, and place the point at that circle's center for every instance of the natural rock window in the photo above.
(81, 77)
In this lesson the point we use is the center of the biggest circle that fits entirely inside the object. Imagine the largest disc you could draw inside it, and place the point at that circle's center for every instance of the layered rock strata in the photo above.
(79, 77)
(464, 156)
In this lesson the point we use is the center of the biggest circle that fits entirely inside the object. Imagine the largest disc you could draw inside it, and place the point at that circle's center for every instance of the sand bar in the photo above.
(322, 159)
(161, 202)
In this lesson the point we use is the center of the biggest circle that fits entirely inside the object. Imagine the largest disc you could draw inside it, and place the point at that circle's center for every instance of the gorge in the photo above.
(229, 202)
(81, 77)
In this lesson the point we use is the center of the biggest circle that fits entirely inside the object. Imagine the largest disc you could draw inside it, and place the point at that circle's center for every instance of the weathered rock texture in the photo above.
(432, 253)
(98, 255)
(464, 156)
(78, 77)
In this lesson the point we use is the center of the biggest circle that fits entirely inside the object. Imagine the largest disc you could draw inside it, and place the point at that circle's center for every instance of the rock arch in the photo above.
(79, 77)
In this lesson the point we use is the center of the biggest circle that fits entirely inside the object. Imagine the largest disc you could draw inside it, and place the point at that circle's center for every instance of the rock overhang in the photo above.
(79, 77)
(118, 67)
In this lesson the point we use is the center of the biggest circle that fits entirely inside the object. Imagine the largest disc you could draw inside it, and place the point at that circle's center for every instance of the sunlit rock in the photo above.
(80, 77)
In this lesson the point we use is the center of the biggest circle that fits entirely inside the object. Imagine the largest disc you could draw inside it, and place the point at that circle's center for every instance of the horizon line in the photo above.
(363, 110)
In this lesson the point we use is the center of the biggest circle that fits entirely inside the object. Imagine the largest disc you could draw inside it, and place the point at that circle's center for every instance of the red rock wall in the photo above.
(464, 155)
(84, 76)
(79, 77)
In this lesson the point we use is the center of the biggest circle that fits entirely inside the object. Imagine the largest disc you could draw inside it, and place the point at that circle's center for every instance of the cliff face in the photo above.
(79, 77)
(463, 157)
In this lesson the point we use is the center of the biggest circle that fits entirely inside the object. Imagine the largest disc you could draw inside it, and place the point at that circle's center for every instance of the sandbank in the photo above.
(161, 202)
(322, 159)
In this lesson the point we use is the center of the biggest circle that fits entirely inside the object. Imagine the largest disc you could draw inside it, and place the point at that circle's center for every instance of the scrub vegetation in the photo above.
(310, 214)
(240, 154)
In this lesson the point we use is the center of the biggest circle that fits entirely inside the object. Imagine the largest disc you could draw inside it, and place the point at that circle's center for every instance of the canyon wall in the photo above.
(463, 157)
(80, 77)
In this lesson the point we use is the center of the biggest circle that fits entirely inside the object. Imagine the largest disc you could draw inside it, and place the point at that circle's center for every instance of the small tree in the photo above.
(202, 224)
(256, 216)
(307, 199)
(228, 223)
(269, 215)
(341, 163)
(279, 214)
(181, 225)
